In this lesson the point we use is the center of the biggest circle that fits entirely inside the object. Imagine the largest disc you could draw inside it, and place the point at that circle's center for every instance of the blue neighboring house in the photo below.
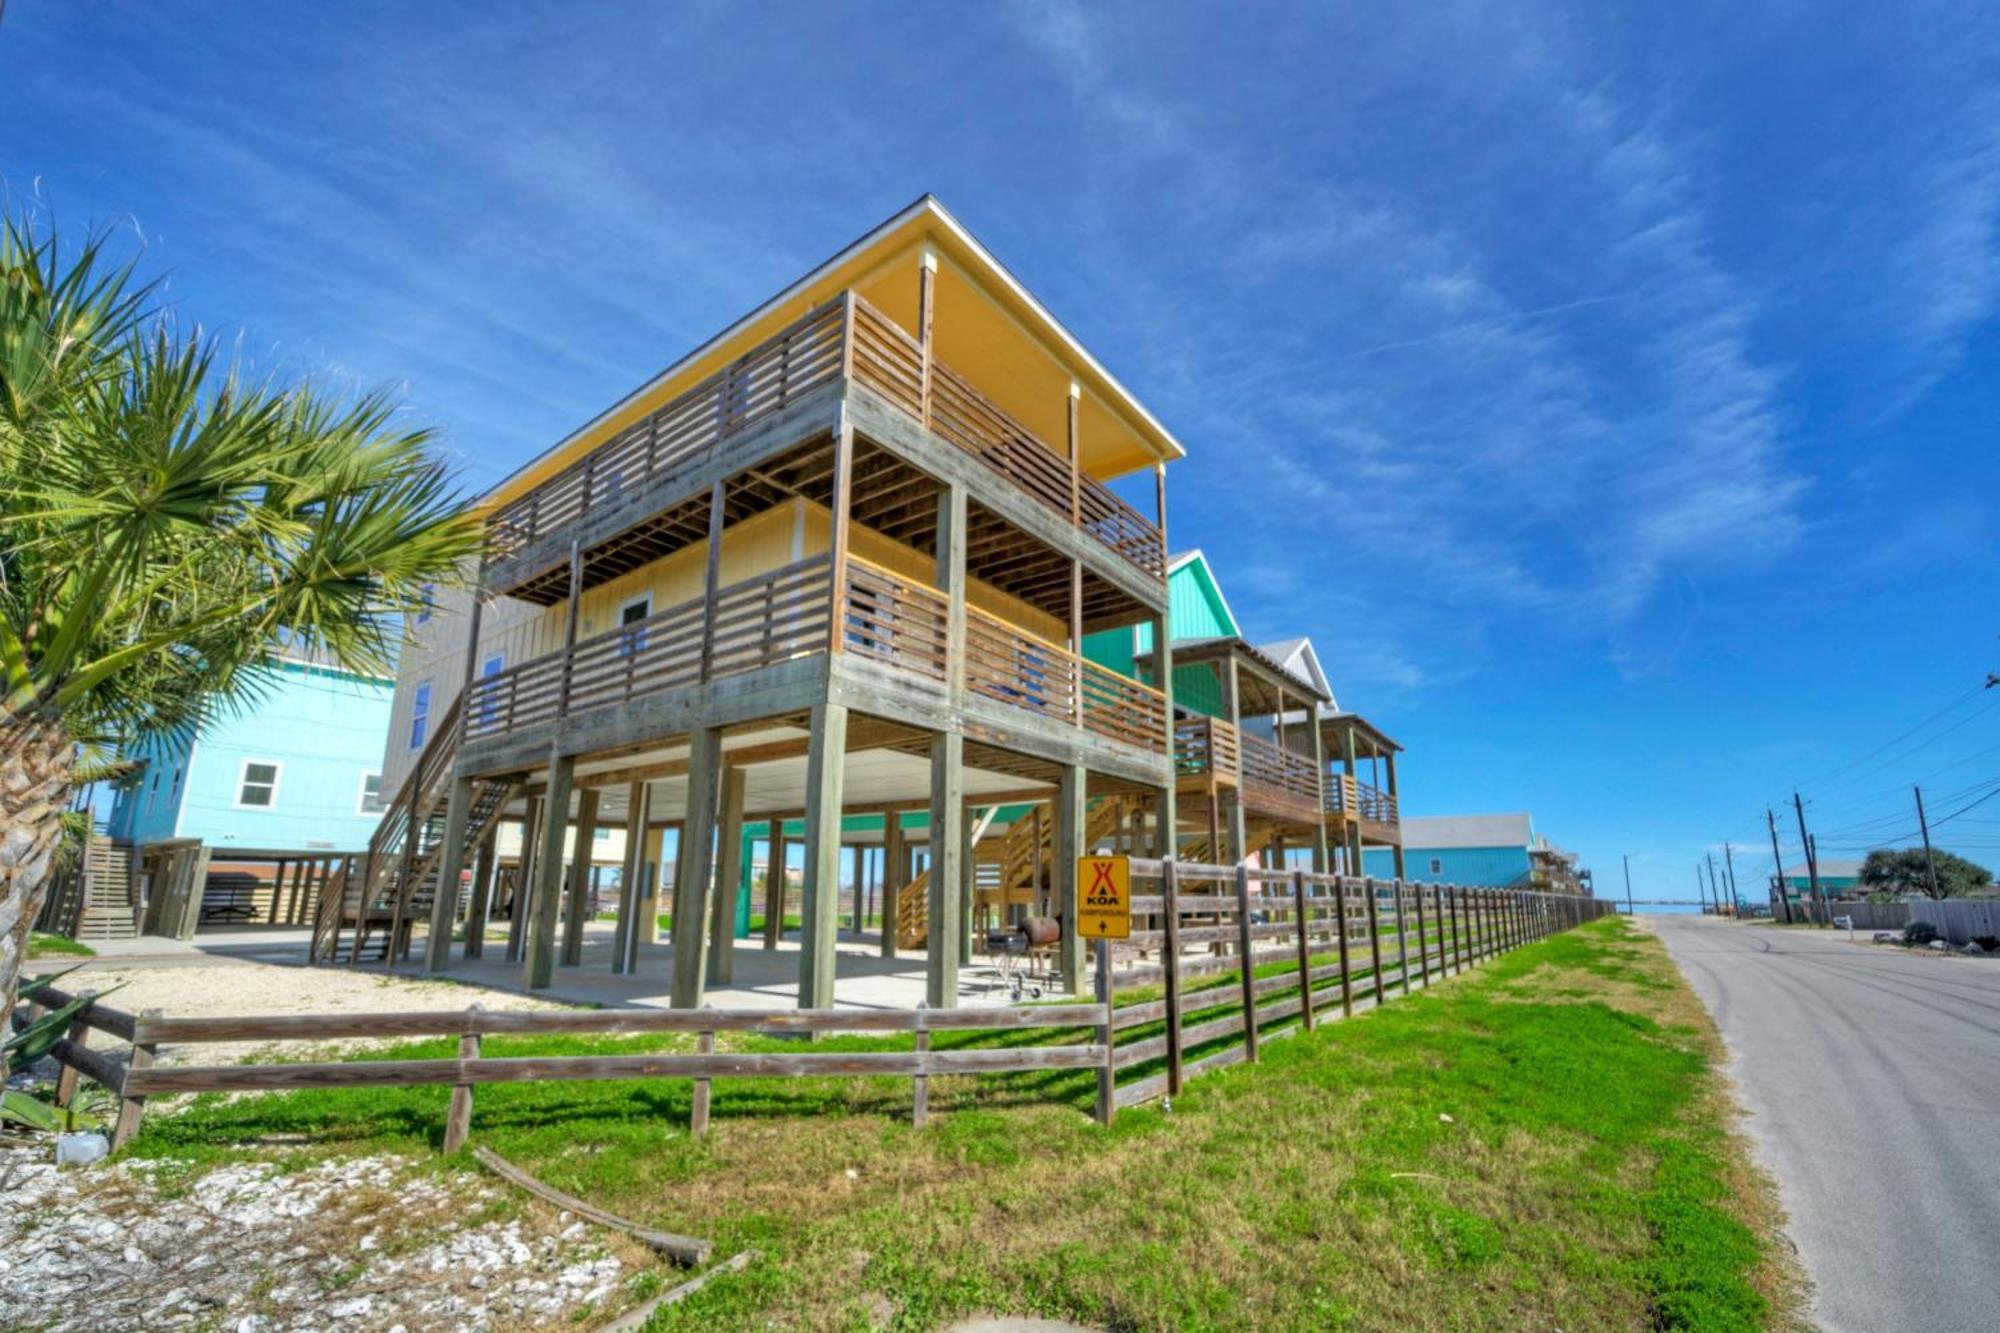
(1487, 850)
(245, 820)
(296, 768)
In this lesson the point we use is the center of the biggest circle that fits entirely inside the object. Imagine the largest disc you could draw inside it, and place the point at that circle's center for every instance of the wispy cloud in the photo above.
(1490, 424)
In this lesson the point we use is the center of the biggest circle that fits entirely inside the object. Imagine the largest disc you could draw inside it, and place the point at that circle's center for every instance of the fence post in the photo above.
(1171, 901)
(1107, 1073)
(1374, 936)
(1450, 893)
(1402, 941)
(1244, 946)
(458, 1120)
(1305, 951)
(132, 1108)
(79, 1035)
(1423, 945)
(704, 1044)
(1346, 972)
(921, 1084)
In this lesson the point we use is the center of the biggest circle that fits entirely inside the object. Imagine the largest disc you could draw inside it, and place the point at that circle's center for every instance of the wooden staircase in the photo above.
(98, 897)
(1196, 848)
(1005, 868)
(391, 891)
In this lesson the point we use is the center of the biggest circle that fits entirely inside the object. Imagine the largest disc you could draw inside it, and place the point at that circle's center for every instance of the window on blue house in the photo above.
(1437, 865)
(258, 787)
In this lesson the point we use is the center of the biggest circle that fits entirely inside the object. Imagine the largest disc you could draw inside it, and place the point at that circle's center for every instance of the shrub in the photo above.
(1919, 932)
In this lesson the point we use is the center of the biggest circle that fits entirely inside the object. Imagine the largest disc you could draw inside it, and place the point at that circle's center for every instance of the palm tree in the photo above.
(167, 527)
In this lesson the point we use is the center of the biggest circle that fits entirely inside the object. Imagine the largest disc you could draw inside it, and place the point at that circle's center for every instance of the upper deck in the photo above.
(844, 341)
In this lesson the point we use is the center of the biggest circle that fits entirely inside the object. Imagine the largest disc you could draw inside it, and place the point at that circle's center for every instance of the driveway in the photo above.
(1873, 1080)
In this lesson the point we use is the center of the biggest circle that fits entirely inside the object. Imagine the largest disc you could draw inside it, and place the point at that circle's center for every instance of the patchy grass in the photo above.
(1538, 1144)
(57, 946)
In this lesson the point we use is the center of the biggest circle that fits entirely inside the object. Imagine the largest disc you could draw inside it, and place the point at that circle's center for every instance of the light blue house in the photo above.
(297, 768)
(1489, 850)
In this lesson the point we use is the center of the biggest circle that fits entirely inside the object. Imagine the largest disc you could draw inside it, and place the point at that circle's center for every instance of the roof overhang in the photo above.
(923, 223)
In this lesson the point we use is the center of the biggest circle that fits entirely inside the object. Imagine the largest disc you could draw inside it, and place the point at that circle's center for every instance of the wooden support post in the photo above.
(704, 1044)
(576, 909)
(841, 504)
(1244, 959)
(728, 881)
(451, 864)
(477, 911)
(1305, 949)
(947, 847)
(774, 886)
(1171, 921)
(1071, 823)
(826, 765)
(892, 879)
(540, 967)
(517, 907)
(693, 868)
(132, 1108)
(1375, 936)
(632, 888)
(458, 1120)
(926, 319)
(1107, 1073)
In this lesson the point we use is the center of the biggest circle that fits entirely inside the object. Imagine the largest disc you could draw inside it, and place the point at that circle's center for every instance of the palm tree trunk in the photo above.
(37, 763)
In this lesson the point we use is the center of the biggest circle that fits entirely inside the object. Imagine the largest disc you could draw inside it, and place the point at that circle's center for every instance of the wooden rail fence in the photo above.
(1313, 944)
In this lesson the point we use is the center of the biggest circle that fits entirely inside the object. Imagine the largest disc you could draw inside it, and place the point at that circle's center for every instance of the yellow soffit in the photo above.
(926, 219)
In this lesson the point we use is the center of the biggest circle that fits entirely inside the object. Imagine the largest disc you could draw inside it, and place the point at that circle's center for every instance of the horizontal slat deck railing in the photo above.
(846, 331)
(1276, 779)
(1314, 943)
(781, 369)
(788, 613)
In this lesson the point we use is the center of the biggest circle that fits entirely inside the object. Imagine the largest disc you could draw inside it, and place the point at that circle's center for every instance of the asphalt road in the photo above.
(1873, 1080)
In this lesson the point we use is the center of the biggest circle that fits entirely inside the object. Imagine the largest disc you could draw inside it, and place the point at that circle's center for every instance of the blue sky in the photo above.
(1609, 395)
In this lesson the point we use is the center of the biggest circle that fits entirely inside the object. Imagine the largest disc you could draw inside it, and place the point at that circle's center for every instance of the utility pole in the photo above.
(1812, 862)
(1784, 903)
(1700, 889)
(1628, 885)
(1729, 864)
(1714, 884)
(1930, 862)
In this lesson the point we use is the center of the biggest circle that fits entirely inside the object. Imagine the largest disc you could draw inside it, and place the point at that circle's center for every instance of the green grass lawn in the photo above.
(1539, 1144)
(57, 946)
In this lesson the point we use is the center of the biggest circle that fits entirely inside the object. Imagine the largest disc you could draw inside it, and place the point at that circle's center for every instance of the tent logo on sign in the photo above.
(1104, 897)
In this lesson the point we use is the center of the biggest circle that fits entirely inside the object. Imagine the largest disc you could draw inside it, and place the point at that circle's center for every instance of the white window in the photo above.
(1437, 865)
(420, 715)
(258, 786)
(630, 618)
(371, 795)
(429, 604)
